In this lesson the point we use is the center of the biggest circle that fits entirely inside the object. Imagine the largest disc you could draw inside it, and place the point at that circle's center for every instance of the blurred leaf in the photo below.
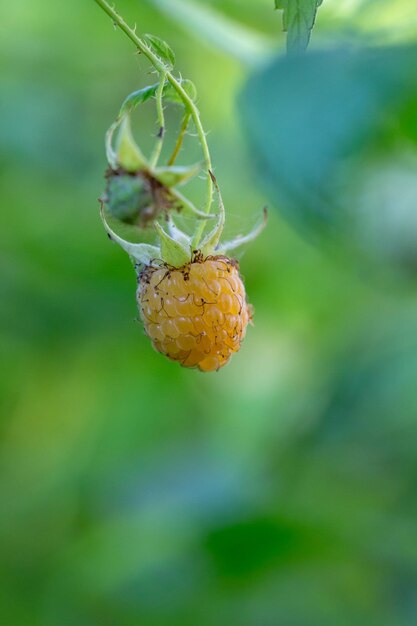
(268, 543)
(162, 49)
(373, 381)
(319, 124)
(298, 20)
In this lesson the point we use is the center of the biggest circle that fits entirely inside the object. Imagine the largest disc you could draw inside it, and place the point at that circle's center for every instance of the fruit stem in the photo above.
(180, 138)
(188, 102)
(161, 121)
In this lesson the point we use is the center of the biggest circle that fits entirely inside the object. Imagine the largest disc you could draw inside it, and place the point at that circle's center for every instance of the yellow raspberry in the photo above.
(196, 314)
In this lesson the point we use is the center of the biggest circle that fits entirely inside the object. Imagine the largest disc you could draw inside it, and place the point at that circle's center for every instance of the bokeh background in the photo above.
(281, 490)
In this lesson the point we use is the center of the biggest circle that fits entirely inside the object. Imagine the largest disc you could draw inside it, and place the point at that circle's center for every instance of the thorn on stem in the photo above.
(213, 178)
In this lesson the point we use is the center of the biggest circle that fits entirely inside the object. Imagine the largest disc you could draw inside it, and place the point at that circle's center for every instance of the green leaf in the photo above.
(298, 21)
(146, 93)
(172, 95)
(162, 49)
(137, 97)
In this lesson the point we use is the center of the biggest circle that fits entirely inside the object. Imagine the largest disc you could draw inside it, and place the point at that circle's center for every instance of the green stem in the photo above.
(161, 121)
(180, 138)
(188, 102)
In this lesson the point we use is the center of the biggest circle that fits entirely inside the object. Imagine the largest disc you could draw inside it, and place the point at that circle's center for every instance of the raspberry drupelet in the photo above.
(196, 314)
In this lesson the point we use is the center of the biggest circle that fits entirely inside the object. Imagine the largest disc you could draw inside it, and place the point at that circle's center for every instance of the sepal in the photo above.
(128, 154)
(173, 252)
(178, 234)
(141, 252)
(210, 241)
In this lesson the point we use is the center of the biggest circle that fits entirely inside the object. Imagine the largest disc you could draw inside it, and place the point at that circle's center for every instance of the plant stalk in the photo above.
(180, 138)
(161, 121)
(188, 102)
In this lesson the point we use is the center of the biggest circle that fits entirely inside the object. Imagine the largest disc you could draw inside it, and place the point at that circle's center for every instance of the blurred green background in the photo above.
(280, 491)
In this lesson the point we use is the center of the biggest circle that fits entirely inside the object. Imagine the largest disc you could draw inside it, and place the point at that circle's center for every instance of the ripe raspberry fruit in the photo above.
(195, 314)
(191, 298)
